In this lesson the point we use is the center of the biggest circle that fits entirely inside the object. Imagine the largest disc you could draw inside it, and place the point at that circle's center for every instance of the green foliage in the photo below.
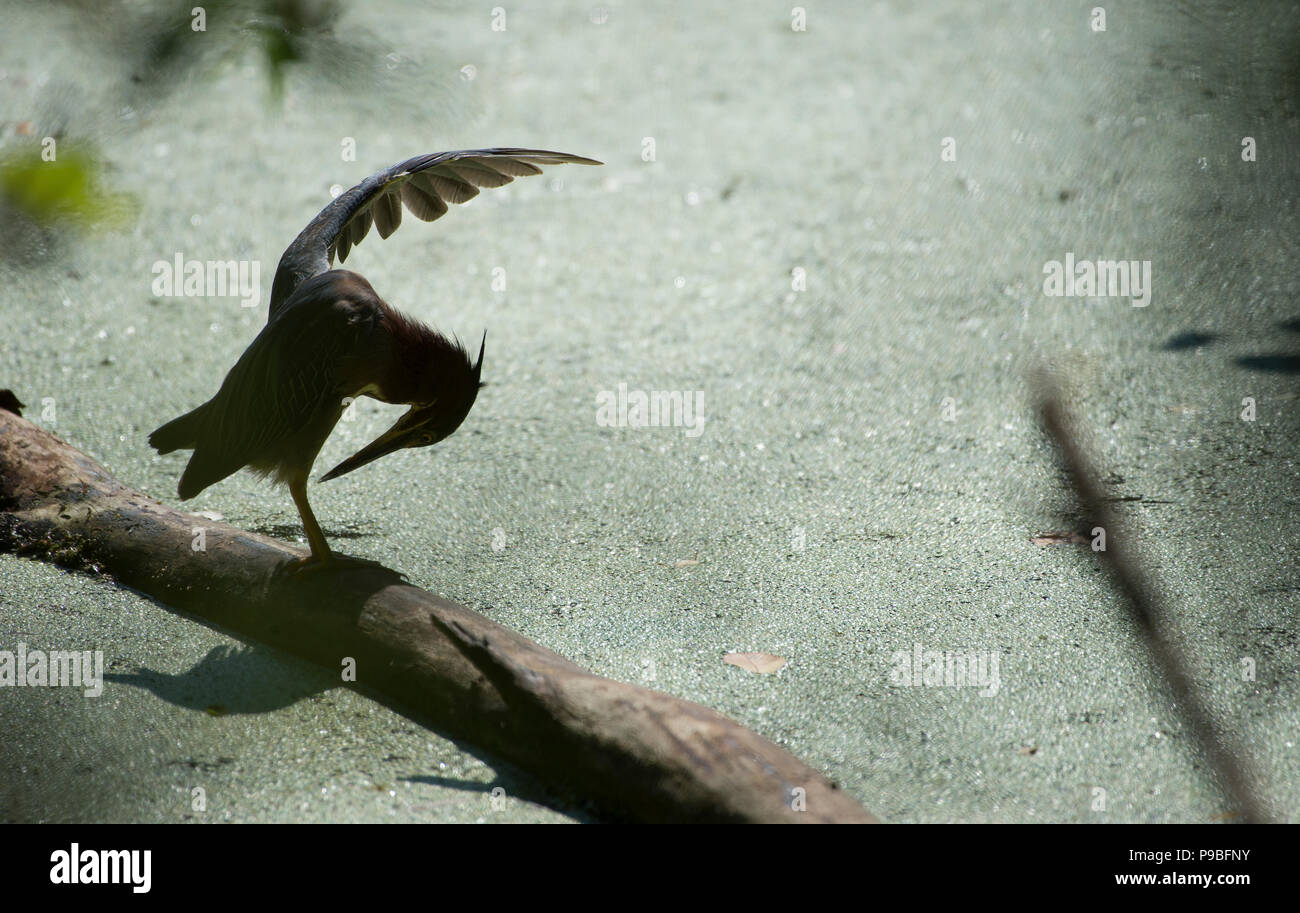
(64, 190)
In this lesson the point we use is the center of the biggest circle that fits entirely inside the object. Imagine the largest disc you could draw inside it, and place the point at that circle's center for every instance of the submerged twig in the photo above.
(1140, 596)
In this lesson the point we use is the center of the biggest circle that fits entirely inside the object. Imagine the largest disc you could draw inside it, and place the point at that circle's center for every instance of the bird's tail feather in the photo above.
(180, 433)
(201, 472)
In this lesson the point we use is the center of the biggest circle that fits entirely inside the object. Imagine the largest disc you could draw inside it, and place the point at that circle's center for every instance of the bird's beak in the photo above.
(395, 438)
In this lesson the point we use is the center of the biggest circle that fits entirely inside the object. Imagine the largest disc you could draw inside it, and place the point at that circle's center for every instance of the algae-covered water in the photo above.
(831, 243)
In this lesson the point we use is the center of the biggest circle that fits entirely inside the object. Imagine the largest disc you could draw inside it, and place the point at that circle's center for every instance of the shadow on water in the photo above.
(1276, 362)
(229, 680)
(256, 678)
(292, 532)
(1189, 340)
(1273, 362)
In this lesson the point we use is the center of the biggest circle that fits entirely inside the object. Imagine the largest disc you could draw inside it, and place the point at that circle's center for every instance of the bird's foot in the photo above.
(306, 565)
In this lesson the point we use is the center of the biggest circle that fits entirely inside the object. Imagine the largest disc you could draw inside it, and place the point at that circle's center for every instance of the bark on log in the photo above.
(636, 753)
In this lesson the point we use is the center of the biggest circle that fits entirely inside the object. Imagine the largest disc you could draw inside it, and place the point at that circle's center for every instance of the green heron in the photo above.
(329, 337)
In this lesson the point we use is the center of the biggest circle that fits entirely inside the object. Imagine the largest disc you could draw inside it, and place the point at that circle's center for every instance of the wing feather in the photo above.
(426, 184)
(448, 186)
(423, 204)
(512, 168)
(387, 210)
(360, 226)
(478, 175)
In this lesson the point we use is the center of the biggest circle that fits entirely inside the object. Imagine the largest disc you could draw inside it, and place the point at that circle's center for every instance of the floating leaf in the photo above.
(761, 663)
(1057, 538)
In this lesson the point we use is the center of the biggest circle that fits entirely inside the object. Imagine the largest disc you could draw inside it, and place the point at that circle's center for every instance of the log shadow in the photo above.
(260, 678)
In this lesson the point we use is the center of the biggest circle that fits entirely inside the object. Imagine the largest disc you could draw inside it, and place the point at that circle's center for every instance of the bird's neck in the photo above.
(420, 356)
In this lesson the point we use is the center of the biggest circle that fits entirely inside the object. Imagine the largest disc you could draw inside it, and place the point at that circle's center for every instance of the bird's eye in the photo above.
(426, 438)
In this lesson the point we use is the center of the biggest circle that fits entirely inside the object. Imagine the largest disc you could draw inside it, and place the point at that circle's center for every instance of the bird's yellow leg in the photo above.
(320, 550)
(321, 557)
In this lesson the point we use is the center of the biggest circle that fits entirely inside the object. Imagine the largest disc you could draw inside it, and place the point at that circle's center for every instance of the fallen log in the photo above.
(636, 754)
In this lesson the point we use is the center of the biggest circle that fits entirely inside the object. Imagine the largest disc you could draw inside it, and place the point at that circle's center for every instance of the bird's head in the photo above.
(454, 385)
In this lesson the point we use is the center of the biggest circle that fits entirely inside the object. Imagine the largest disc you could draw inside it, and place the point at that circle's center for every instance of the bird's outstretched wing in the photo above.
(426, 184)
